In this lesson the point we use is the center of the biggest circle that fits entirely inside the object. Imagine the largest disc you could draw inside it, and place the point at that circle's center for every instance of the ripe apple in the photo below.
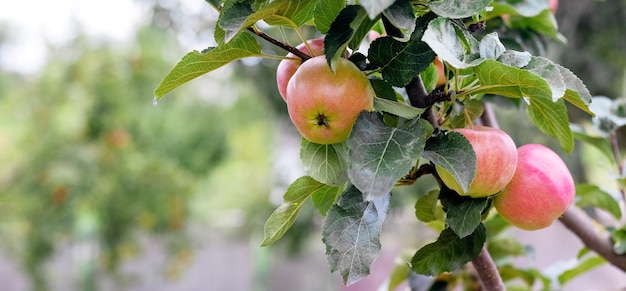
(496, 159)
(541, 190)
(441, 74)
(286, 68)
(324, 105)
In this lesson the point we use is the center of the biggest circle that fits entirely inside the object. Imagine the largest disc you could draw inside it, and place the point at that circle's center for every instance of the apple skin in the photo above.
(554, 4)
(324, 105)
(286, 68)
(496, 159)
(541, 190)
(441, 74)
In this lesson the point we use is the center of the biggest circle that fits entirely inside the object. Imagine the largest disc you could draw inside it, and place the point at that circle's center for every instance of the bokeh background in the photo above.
(102, 190)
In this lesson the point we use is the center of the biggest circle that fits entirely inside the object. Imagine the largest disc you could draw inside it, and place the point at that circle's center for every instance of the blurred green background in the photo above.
(101, 190)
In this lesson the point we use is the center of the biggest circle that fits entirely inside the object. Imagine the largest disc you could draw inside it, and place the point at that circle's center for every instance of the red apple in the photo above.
(441, 73)
(324, 105)
(286, 68)
(496, 159)
(540, 191)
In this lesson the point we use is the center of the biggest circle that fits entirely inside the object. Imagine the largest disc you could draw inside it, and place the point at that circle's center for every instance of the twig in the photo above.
(581, 225)
(487, 271)
(277, 43)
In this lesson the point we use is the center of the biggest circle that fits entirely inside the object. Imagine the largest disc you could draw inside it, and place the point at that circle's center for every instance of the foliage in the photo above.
(88, 161)
(393, 145)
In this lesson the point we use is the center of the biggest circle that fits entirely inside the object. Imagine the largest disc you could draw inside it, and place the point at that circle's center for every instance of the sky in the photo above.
(31, 25)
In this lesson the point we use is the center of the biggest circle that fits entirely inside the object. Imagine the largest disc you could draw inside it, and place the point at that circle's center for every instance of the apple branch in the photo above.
(487, 271)
(279, 44)
(581, 225)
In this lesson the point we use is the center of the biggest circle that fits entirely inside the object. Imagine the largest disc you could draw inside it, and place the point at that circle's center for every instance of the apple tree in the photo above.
(400, 89)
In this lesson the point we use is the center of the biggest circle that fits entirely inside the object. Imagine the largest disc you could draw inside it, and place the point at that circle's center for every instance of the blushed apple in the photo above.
(541, 190)
(496, 159)
(441, 73)
(286, 68)
(322, 104)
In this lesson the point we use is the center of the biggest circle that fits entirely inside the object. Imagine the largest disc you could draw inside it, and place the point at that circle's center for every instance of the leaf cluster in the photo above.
(350, 183)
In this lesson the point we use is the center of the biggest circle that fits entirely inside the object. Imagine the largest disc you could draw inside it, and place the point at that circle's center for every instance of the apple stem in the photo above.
(487, 271)
(279, 44)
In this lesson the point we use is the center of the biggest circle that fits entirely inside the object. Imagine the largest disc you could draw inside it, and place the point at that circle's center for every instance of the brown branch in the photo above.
(487, 271)
(282, 45)
(581, 225)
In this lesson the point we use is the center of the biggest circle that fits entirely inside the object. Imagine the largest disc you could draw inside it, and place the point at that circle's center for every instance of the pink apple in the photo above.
(496, 159)
(541, 190)
(554, 4)
(324, 105)
(286, 68)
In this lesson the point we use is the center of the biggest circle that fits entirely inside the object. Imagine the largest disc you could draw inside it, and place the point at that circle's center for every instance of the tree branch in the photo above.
(487, 271)
(581, 225)
(277, 43)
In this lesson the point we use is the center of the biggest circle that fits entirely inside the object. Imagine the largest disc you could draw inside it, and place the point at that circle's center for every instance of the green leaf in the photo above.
(472, 108)
(325, 198)
(515, 59)
(454, 153)
(463, 218)
(380, 155)
(375, 7)
(600, 143)
(458, 50)
(285, 215)
(400, 61)
(325, 163)
(448, 252)
(588, 195)
(619, 241)
(582, 267)
(505, 247)
(550, 72)
(233, 17)
(499, 79)
(342, 30)
(325, 13)
(401, 16)
(400, 271)
(611, 114)
(384, 90)
(195, 63)
(528, 8)
(429, 77)
(458, 8)
(490, 46)
(351, 232)
(396, 108)
(427, 209)
(575, 84)
(550, 117)
(575, 99)
(543, 23)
